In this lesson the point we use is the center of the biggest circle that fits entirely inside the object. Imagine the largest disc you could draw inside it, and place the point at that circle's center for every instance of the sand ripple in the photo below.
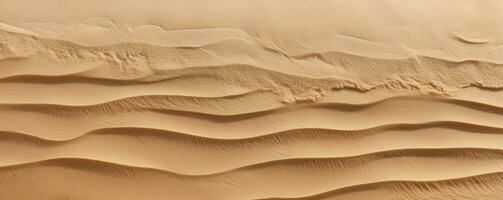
(233, 105)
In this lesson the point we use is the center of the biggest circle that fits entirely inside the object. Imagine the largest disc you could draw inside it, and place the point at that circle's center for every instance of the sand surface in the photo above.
(251, 99)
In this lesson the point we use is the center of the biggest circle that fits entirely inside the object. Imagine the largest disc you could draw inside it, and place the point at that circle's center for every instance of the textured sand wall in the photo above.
(249, 99)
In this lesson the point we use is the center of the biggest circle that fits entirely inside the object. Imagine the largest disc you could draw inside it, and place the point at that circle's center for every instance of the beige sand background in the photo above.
(251, 99)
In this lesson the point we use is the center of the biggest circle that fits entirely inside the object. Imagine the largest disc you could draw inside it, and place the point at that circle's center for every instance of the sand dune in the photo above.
(245, 99)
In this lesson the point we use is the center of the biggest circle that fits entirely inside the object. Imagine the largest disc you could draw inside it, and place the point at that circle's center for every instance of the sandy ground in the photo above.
(251, 99)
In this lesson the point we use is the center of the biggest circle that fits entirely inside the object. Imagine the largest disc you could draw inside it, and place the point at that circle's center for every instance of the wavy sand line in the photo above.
(314, 93)
(182, 38)
(151, 73)
(483, 186)
(234, 104)
(225, 106)
(243, 37)
(60, 121)
(307, 132)
(153, 148)
(77, 89)
(55, 129)
(493, 157)
(289, 88)
(121, 75)
(331, 173)
(355, 68)
(49, 94)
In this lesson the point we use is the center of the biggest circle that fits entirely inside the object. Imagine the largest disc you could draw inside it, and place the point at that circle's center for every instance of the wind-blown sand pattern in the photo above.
(247, 99)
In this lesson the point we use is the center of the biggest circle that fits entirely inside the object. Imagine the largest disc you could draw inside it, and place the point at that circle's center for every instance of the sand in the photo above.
(251, 99)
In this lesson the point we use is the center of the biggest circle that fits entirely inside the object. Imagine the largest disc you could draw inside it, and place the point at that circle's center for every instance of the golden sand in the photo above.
(251, 99)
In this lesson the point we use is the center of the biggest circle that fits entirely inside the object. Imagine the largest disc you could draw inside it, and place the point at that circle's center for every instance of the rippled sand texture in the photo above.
(251, 99)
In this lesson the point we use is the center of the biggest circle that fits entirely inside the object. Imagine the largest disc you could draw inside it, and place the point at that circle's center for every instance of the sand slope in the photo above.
(322, 99)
